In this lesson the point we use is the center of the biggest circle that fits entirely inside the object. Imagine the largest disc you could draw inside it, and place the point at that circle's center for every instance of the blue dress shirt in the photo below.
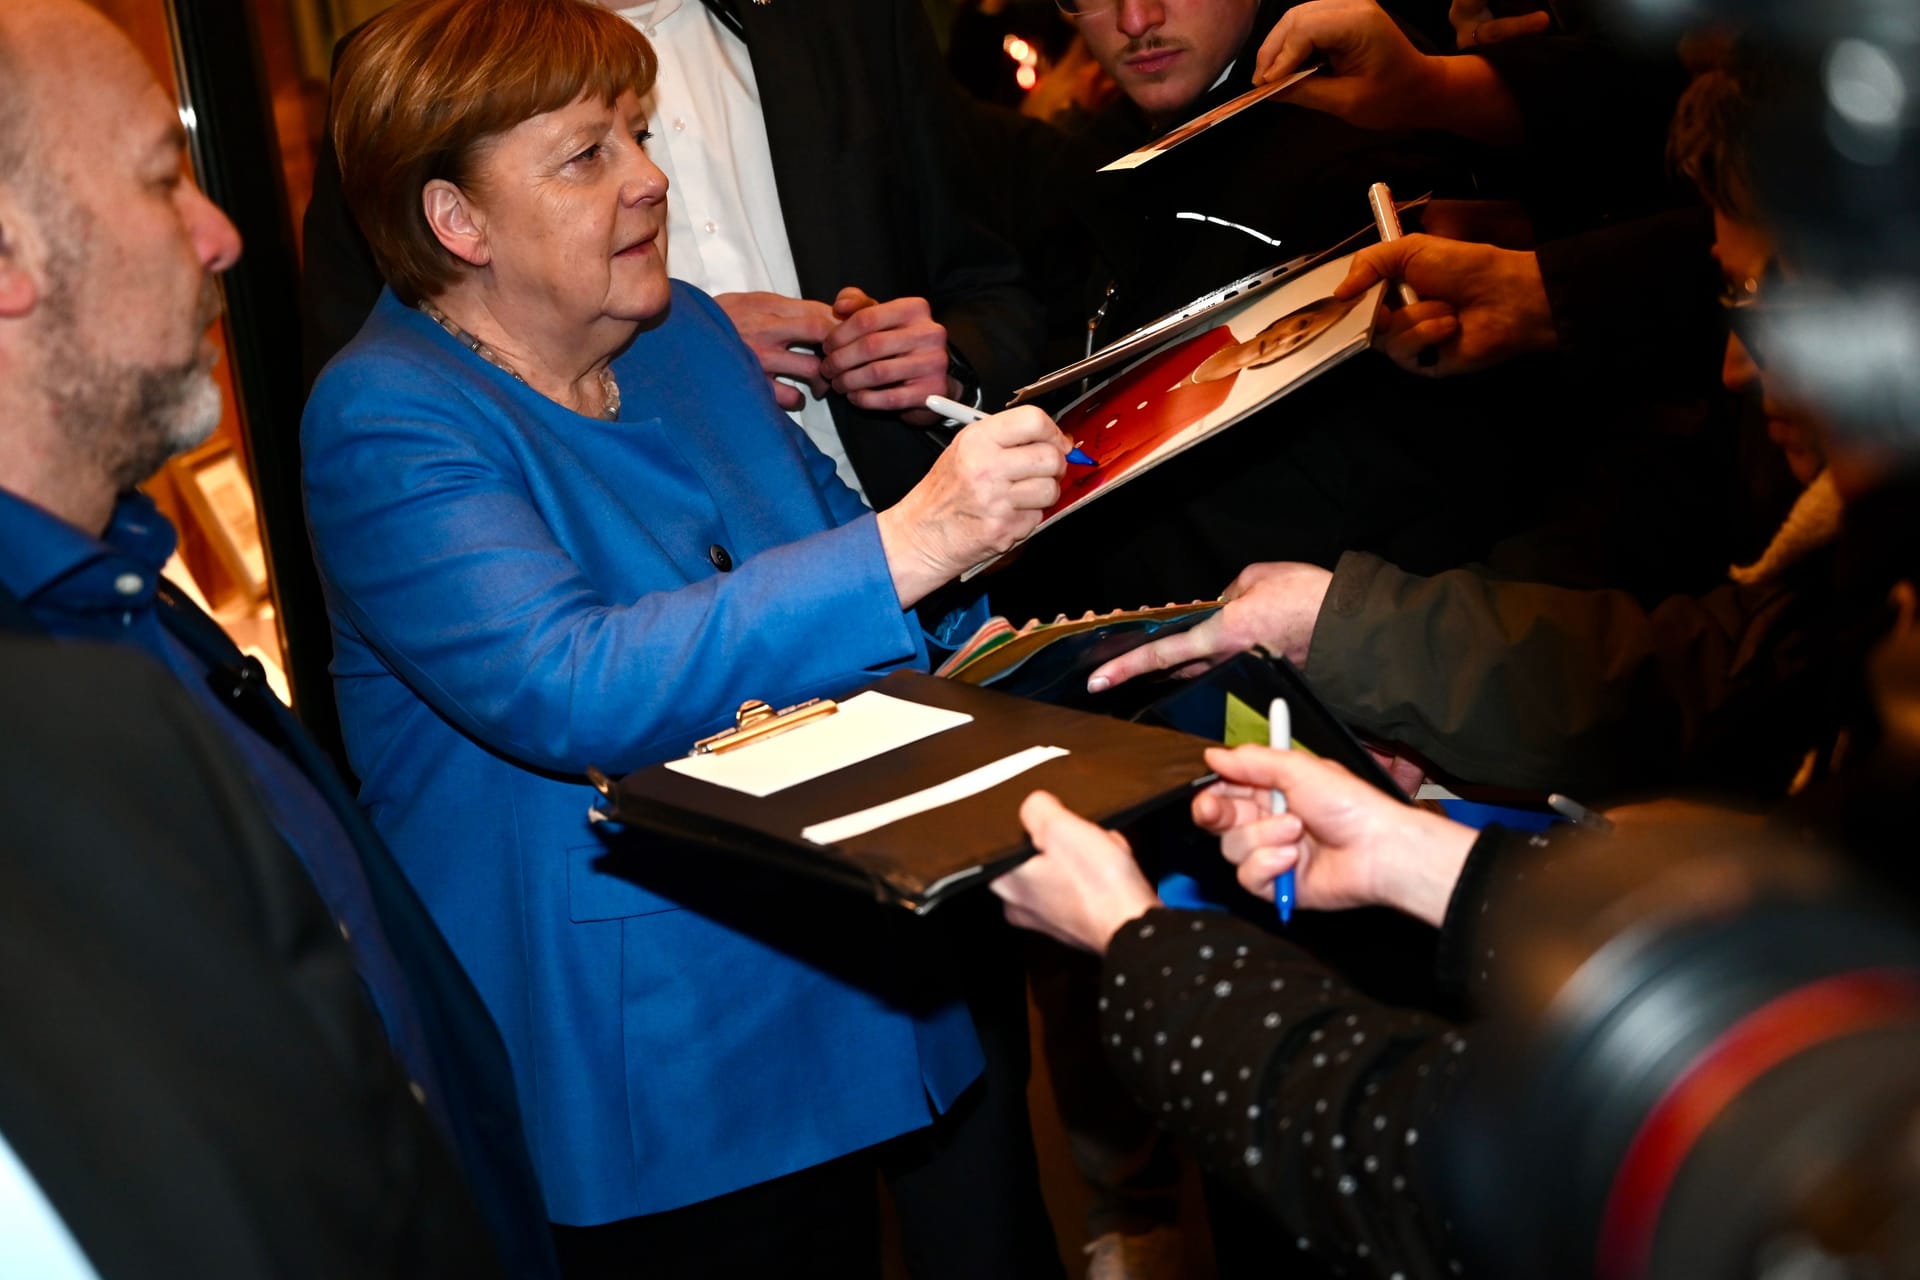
(519, 592)
(80, 587)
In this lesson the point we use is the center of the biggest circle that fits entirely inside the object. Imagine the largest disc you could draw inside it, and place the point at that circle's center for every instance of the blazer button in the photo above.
(721, 560)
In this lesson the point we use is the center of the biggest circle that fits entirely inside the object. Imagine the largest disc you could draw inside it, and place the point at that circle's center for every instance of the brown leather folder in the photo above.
(1113, 772)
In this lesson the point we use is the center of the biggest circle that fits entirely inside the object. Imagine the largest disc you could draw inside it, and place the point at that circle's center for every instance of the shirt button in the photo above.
(712, 227)
(721, 560)
(419, 1094)
(679, 125)
(129, 584)
(346, 934)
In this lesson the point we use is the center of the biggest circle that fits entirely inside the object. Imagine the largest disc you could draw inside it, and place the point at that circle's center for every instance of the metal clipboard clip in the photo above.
(755, 721)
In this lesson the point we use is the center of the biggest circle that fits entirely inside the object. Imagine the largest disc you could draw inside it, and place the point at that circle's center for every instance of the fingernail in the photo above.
(1098, 684)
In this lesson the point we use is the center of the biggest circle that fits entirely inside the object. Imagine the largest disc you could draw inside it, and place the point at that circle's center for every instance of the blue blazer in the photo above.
(518, 592)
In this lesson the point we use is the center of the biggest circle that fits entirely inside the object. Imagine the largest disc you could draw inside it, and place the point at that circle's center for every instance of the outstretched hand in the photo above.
(1373, 77)
(1081, 886)
(1272, 605)
(1348, 844)
(1479, 305)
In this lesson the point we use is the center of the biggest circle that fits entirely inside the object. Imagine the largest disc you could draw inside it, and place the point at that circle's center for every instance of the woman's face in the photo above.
(1278, 340)
(575, 215)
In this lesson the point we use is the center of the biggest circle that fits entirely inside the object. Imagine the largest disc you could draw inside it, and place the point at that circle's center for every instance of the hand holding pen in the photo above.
(1280, 738)
(984, 494)
(1466, 306)
(1346, 843)
(962, 414)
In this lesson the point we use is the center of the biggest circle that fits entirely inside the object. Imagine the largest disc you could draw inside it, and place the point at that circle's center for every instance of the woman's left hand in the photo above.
(1081, 886)
(886, 356)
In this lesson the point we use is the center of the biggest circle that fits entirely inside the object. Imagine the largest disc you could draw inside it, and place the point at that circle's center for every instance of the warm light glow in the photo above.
(1026, 77)
(1019, 50)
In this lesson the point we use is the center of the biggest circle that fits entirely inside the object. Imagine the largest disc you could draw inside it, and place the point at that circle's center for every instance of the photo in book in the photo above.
(1250, 354)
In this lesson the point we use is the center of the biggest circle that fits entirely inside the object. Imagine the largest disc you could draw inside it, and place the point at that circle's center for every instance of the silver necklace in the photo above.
(609, 385)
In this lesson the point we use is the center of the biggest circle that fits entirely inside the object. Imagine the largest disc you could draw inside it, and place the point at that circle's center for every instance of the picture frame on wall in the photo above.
(214, 483)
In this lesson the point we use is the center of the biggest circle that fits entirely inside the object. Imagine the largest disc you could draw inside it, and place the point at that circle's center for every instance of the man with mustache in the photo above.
(1360, 458)
(109, 256)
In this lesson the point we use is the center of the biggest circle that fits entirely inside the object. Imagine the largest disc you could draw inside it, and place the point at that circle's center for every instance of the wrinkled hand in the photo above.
(1479, 306)
(1273, 605)
(773, 324)
(1474, 24)
(1374, 77)
(1081, 887)
(886, 356)
(1348, 844)
(985, 493)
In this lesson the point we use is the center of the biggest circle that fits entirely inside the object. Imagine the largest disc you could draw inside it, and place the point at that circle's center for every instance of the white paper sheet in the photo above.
(866, 725)
(971, 783)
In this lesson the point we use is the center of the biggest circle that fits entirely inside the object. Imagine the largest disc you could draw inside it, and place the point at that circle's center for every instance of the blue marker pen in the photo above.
(1280, 738)
(954, 411)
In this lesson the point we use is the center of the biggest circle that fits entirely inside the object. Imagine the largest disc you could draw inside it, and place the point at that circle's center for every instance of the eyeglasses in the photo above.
(1746, 311)
(1074, 9)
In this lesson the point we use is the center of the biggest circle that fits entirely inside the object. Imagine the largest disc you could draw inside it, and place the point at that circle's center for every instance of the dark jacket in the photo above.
(473, 1072)
(192, 1074)
(1554, 689)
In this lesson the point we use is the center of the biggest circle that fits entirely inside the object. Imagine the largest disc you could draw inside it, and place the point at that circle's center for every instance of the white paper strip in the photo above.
(865, 726)
(971, 783)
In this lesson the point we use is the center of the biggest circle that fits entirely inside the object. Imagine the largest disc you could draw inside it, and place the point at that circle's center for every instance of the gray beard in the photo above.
(127, 419)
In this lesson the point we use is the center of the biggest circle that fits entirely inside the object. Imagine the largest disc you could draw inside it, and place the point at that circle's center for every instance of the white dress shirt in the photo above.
(34, 1240)
(725, 230)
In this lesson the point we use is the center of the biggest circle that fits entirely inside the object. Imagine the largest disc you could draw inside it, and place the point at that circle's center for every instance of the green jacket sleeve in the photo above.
(1532, 686)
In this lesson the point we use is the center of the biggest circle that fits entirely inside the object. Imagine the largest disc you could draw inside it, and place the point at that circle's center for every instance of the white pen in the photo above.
(1387, 218)
(954, 411)
(1280, 738)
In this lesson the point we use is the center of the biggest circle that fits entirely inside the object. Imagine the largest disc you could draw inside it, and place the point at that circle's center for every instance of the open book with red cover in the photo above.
(1206, 378)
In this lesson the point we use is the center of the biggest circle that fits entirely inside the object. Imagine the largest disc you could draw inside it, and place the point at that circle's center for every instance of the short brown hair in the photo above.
(1711, 141)
(421, 88)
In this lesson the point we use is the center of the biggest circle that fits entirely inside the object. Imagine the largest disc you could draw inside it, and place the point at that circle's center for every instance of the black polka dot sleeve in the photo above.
(1286, 1082)
(1311, 1098)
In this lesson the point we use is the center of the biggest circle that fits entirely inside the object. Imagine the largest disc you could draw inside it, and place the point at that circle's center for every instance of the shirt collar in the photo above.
(39, 550)
(649, 14)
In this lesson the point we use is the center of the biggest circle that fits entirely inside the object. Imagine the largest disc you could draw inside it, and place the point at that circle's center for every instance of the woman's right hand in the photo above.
(1349, 844)
(984, 495)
